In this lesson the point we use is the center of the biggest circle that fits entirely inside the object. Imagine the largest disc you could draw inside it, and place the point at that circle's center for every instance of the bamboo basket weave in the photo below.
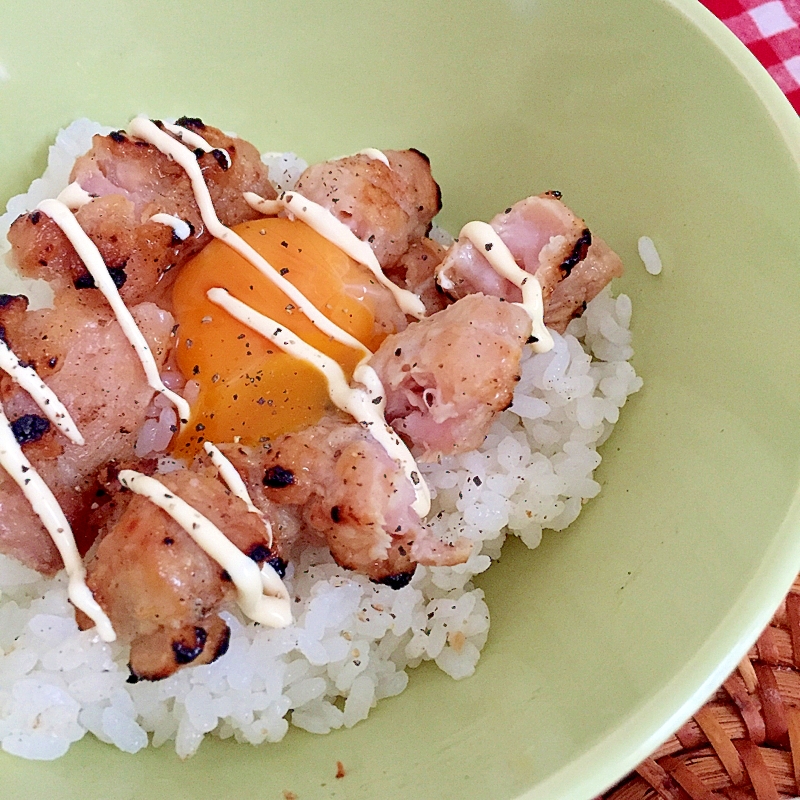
(744, 743)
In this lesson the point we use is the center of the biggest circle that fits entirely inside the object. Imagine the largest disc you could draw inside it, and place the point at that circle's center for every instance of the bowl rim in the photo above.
(649, 726)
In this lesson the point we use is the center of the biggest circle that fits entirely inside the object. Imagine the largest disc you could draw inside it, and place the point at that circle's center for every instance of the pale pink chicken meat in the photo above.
(446, 377)
(84, 357)
(546, 239)
(160, 589)
(132, 180)
(388, 207)
(349, 492)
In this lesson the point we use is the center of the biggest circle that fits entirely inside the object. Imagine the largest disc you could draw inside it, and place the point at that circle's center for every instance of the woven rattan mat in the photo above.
(744, 742)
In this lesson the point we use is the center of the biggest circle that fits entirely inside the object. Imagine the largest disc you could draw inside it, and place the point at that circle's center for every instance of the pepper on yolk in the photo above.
(248, 387)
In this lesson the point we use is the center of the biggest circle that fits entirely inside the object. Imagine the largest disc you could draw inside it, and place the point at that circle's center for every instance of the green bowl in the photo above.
(653, 120)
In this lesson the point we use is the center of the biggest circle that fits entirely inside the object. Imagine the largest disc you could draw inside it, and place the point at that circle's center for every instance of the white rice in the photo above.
(352, 641)
(649, 255)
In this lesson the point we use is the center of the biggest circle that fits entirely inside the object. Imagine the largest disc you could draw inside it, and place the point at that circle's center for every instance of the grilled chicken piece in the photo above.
(348, 490)
(82, 354)
(447, 376)
(547, 240)
(131, 181)
(389, 207)
(159, 588)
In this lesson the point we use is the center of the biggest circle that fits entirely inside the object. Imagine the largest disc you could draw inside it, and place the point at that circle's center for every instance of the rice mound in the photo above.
(352, 641)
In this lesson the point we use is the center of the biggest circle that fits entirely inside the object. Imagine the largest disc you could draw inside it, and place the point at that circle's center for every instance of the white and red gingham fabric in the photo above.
(772, 32)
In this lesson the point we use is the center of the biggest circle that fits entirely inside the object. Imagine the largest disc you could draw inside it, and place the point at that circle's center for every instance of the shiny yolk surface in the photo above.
(248, 387)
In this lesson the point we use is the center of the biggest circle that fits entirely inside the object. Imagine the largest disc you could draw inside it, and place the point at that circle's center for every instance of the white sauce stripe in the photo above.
(250, 581)
(46, 507)
(375, 155)
(370, 152)
(336, 232)
(179, 226)
(359, 403)
(649, 255)
(269, 208)
(90, 255)
(488, 242)
(234, 482)
(150, 132)
(195, 140)
(28, 379)
(74, 196)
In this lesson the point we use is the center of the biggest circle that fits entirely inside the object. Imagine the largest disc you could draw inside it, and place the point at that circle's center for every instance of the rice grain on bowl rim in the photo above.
(352, 640)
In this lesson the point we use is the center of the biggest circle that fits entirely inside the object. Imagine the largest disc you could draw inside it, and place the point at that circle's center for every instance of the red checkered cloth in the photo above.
(772, 32)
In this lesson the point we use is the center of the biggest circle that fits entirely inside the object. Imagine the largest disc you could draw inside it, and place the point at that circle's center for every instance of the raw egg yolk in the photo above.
(249, 388)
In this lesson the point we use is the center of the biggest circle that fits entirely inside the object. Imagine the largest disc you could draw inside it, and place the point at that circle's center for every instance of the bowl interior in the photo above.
(654, 122)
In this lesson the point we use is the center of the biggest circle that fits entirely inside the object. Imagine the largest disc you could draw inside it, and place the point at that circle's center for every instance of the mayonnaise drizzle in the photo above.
(74, 196)
(375, 155)
(28, 379)
(150, 132)
(336, 232)
(369, 152)
(179, 226)
(488, 242)
(251, 582)
(234, 482)
(46, 507)
(195, 140)
(365, 404)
